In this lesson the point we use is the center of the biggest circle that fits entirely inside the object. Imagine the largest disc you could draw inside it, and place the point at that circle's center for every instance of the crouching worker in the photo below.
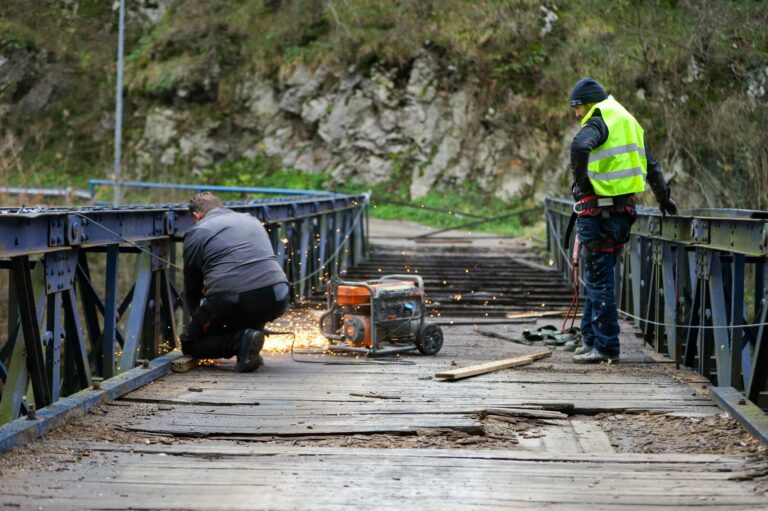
(233, 284)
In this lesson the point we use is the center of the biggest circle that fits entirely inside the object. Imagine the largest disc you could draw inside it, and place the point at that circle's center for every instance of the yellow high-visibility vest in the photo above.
(619, 166)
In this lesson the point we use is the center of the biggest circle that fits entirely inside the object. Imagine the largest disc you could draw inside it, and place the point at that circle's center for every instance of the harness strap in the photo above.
(605, 246)
(593, 205)
(569, 230)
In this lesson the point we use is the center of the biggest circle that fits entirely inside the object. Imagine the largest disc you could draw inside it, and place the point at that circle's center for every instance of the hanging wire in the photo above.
(632, 316)
(337, 251)
(325, 263)
(126, 240)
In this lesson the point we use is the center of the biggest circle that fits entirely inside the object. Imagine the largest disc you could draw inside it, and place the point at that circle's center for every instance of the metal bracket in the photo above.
(657, 251)
(169, 222)
(699, 231)
(75, 231)
(160, 254)
(703, 264)
(654, 226)
(158, 228)
(764, 239)
(56, 232)
(60, 270)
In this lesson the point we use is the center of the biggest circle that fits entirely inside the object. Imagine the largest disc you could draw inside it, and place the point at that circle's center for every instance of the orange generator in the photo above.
(379, 317)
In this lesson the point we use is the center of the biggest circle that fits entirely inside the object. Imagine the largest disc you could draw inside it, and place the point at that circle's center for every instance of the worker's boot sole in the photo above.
(583, 349)
(248, 358)
(595, 356)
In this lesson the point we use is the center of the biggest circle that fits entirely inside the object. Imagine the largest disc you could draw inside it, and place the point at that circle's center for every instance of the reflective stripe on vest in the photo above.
(622, 149)
(619, 166)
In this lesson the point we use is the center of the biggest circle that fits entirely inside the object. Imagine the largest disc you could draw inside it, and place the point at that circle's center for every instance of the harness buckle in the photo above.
(585, 205)
(604, 202)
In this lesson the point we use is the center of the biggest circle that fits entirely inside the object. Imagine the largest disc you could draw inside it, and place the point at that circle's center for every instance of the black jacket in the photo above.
(227, 253)
(593, 134)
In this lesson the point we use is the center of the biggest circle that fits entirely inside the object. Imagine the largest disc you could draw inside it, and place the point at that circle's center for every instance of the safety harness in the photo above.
(593, 205)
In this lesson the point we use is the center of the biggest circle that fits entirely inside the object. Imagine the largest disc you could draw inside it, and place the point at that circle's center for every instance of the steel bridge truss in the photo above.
(695, 286)
(93, 291)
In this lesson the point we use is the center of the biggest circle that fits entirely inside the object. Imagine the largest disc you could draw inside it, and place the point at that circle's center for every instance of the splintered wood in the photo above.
(466, 372)
(184, 364)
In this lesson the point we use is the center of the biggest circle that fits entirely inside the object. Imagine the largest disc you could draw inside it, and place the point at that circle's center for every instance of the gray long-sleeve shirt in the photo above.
(227, 253)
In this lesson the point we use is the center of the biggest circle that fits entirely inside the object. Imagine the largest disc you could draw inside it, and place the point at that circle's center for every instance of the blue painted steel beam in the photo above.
(93, 183)
(54, 336)
(109, 333)
(51, 228)
(21, 431)
(135, 326)
(76, 348)
(31, 329)
(737, 318)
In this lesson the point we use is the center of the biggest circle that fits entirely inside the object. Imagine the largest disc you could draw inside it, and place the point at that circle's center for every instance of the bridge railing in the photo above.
(94, 290)
(695, 285)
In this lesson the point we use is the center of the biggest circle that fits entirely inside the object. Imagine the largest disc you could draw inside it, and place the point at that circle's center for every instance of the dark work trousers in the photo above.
(600, 324)
(215, 327)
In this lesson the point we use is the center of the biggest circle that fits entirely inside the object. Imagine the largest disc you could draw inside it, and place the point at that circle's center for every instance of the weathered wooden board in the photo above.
(496, 365)
(182, 422)
(324, 389)
(211, 476)
(184, 364)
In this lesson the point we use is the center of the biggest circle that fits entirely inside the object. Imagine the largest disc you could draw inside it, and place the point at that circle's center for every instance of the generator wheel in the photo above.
(430, 339)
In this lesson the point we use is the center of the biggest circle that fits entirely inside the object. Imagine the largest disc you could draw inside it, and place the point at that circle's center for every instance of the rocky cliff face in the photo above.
(209, 81)
(365, 129)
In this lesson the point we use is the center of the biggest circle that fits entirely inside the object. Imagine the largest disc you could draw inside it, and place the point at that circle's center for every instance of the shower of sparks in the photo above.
(304, 323)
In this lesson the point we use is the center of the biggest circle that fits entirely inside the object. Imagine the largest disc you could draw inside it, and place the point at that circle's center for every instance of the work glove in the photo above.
(668, 207)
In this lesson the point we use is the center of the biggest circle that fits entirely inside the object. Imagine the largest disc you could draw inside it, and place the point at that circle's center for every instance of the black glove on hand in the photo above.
(668, 207)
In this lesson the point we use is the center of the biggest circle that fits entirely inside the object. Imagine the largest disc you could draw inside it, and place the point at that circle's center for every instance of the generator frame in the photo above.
(334, 307)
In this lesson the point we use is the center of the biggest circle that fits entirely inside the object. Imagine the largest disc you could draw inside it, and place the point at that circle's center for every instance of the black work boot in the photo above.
(248, 358)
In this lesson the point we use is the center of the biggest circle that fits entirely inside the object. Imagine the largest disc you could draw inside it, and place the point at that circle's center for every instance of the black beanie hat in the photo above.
(586, 91)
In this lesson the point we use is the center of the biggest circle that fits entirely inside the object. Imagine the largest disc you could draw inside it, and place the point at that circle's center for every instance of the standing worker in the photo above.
(610, 164)
(233, 284)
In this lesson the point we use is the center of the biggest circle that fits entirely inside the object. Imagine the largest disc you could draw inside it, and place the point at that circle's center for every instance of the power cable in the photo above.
(516, 212)
(366, 361)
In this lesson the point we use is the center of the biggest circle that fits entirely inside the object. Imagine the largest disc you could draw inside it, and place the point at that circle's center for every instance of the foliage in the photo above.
(439, 208)
(694, 73)
(262, 172)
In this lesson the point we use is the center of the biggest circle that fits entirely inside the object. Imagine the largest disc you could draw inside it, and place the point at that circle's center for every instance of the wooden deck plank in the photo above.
(246, 477)
(245, 422)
